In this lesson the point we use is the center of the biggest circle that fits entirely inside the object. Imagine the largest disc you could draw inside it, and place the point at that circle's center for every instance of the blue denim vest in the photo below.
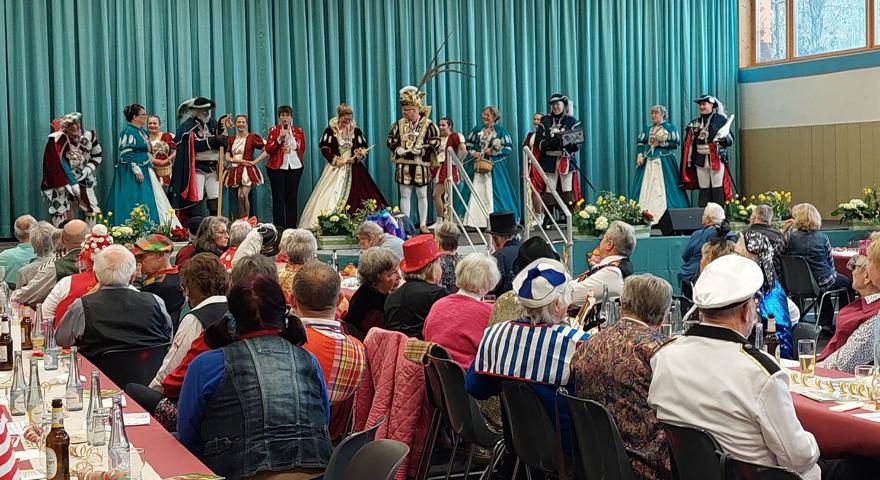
(268, 412)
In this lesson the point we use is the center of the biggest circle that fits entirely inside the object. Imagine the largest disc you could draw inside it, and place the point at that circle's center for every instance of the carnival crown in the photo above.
(411, 97)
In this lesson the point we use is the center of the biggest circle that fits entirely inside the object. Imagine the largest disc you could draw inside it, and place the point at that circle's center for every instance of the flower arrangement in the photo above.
(594, 218)
(165, 226)
(137, 225)
(863, 210)
(335, 222)
(739, 208)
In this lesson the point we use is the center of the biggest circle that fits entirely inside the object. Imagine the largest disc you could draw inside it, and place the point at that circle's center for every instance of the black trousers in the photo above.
(145, 396)
(285, 186)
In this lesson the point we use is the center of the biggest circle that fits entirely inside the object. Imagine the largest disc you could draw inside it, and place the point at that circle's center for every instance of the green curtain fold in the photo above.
(614, 58)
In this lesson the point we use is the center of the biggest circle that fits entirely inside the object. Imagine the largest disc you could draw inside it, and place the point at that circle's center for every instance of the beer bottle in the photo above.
(57, 446)
(6, 357)
(770, 339)
(26, 326)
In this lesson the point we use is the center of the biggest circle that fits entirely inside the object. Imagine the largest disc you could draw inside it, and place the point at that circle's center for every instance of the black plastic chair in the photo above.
(802, 287)
(465, 417)
(136, 365)
(346, 450)
(803, 331)
(735, 469)
(535, 441)
(377, 460)
(434, 391)
(598, 449)
(696, 454)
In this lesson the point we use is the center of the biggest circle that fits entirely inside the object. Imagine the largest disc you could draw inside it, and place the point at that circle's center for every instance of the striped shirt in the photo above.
(8, 461)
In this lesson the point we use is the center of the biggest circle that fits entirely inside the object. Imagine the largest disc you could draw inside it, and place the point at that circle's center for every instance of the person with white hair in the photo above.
(42, 238)
(509, 350)
(704, 152)
(12, 259)
(117, 316)
(238, 231)
(457, 322)
(370, 234)
(612, 268)
(300, 247)
(714, 226)
(655, 185)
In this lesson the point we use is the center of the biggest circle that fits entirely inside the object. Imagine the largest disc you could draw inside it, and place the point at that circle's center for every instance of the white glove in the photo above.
(86, 171)
(401, 151)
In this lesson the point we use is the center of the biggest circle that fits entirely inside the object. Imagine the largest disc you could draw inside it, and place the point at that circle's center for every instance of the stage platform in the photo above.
(658, 255)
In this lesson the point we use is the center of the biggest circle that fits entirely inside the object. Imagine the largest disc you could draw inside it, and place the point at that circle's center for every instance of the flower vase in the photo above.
(738, 226)
(642, 231)
(863, 225)
(335, 242)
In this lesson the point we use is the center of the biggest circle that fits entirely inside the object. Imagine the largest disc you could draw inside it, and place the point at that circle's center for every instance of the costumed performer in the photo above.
(704, 159)
(286, 146)
(449, 140)
(163, 150)
(70, 160)
(244, 172)
(656, 185)
(558, 154)
(489, 145)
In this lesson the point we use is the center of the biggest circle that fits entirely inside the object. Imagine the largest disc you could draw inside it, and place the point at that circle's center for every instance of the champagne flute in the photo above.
(807, 356)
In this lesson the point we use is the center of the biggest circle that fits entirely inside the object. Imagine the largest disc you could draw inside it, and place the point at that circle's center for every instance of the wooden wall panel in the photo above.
(821, 164)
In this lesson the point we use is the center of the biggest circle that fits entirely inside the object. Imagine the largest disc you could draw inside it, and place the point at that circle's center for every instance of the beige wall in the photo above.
(820, 164)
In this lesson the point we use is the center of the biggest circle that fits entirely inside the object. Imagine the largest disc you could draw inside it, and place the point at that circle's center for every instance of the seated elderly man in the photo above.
(370, 234)
(153, 255)
(754, 419)
(509, 350)
(42, 239)
(613, 267)
(20, 255)
(379, 272)
(72, 236)
(614, 369)
(300, 247)
(762, 217)
(117, 316)
(238, 231)
(713, 227)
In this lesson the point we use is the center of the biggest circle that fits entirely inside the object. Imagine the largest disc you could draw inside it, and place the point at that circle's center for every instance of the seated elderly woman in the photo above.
(407, 307)
(507, 306)
(801, 237)
(612, 267)
(713, 226)
(379, 272)
(370, 234)
(614, 369)
(457, 322)
(447, 235)
(858, 347)
(237, 233)
(509, 350)
(299, 246)
(212, 237)
(715, 248)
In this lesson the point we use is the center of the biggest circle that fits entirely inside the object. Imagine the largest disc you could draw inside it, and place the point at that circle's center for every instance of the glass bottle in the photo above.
(51, 352)
(95, 403)
(4, 292)
(6, 354)
(119, 448)
(770, 339)
(74, 392)
(38, 339)
(34, 400)
(26, 325)
(57, 446)
(18, 391)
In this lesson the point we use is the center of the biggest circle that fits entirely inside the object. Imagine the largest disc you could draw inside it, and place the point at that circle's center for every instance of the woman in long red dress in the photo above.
(345, 180)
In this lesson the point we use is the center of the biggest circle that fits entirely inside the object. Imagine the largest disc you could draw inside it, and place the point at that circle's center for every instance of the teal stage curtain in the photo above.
(614, 58)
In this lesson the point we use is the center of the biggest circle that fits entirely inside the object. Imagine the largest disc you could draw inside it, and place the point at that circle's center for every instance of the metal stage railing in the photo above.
(452, 191)
(530, 191)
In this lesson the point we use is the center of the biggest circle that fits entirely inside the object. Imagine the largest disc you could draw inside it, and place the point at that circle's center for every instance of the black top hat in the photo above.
(531, 250)
(705, 98)
(557, 97)
(503, 224)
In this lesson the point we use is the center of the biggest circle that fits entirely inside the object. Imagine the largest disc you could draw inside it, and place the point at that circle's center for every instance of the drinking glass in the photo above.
(807, 356)
(864, 374)
(136, 464)
(675, 317)
(666, 330)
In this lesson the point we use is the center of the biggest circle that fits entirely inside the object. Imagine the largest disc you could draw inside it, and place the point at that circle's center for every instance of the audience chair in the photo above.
(465, 418)
(377, 460)
(435, 399)
(136, 365)
(346, 450)
(598, 449)
(735, 469)
(799, 282)
(535, 441)
(803, 331)
(695, 452)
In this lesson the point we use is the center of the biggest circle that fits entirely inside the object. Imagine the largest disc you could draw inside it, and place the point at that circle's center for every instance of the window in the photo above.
(770, 34)
(823, 26)
(877, 22)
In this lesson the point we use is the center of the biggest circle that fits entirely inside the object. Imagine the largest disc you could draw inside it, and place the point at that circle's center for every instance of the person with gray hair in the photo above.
(379, 272)
(20, 255)
(38, 288)
(656, 183)
(612, 267)
(714, 228)
(238, 231)
(252, 265)
(457, 322)
(760, 221)
(117, 316)
(43, 240)
(370, 234)
(614, 369)
(213, 236)
(300, 246)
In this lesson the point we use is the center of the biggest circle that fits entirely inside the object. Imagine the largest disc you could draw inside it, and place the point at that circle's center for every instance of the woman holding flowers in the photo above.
(489, 145)
(132, 182)
(655, 186)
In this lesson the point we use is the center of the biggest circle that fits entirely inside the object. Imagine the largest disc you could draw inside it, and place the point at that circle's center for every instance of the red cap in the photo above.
(418, 252)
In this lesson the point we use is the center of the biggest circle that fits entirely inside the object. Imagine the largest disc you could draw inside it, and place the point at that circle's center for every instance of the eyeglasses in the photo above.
(856, 262)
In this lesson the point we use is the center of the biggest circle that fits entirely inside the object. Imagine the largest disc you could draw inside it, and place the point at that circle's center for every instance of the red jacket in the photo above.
(276, 150)
(849, 319)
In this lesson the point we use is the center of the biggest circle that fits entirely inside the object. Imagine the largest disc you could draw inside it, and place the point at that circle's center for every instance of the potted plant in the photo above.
(335, 230)
(860, 213)
(591, 220)
(738, 212)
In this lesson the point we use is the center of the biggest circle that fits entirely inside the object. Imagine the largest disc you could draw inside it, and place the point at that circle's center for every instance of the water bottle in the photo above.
(34, 400)
(119, 448)
(95, 404)
(19, 389)
(52, 352)
(74, 392)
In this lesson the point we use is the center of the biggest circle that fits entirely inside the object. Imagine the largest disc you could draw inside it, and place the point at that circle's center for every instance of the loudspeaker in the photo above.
(681, 221)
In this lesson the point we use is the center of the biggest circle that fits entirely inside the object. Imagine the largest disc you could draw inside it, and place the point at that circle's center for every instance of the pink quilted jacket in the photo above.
(393, 387)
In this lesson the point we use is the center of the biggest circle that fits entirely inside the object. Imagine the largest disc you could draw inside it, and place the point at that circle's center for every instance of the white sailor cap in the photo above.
(726, 281)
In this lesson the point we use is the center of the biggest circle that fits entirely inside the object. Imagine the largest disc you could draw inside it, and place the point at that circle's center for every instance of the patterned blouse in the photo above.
(447, 277)
(613, 368)
(858, 350)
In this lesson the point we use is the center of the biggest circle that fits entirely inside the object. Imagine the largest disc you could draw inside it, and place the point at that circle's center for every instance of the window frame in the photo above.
(749, 46)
